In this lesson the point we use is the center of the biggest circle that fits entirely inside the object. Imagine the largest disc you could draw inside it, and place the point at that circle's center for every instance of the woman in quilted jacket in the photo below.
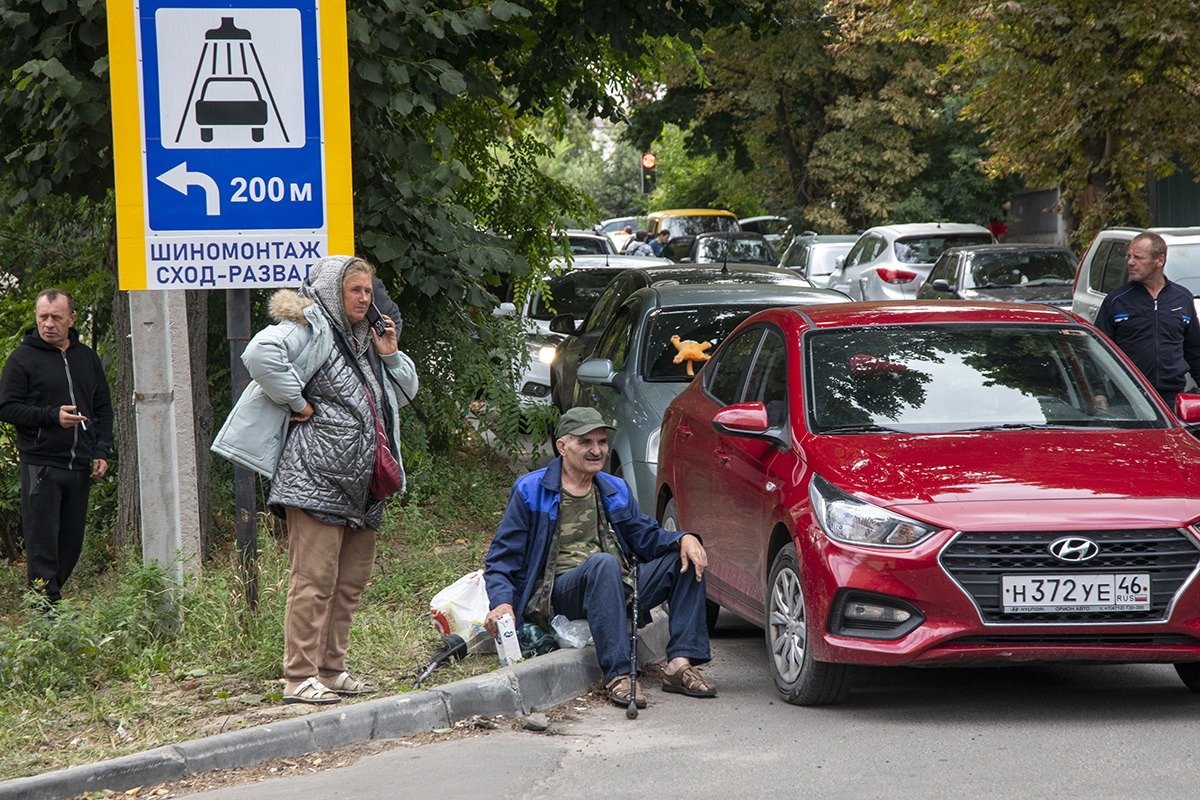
(338, 383)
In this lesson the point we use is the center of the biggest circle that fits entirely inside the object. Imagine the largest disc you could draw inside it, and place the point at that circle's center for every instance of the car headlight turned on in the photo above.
(847, 519)
(546, 353)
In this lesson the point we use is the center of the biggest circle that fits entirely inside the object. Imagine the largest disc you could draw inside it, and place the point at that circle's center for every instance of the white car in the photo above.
(890, 262)
(1102, 268)
(568, 292)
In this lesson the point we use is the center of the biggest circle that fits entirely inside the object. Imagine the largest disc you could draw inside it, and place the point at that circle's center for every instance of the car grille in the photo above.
(977, 560)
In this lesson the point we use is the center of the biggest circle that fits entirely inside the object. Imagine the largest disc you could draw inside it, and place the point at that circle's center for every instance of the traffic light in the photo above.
(649, 162)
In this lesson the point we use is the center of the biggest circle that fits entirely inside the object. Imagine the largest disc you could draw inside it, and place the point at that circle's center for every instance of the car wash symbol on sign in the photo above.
(231, 101)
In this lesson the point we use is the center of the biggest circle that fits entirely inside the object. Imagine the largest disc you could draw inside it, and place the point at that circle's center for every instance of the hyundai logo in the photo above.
(1074, 549)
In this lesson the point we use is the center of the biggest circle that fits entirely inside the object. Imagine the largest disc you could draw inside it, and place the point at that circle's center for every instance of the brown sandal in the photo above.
(689, 681)
(618, 692)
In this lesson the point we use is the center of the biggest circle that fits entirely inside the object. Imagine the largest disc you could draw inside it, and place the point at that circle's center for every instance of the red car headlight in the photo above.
(845, 518)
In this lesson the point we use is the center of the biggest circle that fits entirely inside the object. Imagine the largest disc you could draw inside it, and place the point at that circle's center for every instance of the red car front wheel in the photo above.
(800, 678)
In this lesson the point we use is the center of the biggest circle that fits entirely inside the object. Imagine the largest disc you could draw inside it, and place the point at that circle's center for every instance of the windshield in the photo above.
(709, 324)
(690, 226)
(927, 249)
(824, 257)
(1183, 266)
(945, 378)
(748, 250)
(573, 293)
(1003, 270)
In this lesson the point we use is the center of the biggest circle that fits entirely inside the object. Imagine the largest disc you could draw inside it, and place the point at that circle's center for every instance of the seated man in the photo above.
(564, 547)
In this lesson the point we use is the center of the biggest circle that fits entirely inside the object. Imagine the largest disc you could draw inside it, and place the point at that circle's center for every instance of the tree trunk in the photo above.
(197, 314)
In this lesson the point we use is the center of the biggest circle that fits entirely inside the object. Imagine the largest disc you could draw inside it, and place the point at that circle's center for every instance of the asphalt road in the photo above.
(1022, 732)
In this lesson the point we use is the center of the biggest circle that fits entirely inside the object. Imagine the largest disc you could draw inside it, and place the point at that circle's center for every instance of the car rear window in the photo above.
(690, 226)
(709, 324)
(927, 249)
(747, 250)
(573, 293)
(587, 246)
(947, 378)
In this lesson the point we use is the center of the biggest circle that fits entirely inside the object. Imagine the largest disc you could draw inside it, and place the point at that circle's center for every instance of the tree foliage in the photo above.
(838, 133)
(1090, 97)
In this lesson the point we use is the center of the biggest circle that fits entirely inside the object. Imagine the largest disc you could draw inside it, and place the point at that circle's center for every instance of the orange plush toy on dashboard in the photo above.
(689, 351)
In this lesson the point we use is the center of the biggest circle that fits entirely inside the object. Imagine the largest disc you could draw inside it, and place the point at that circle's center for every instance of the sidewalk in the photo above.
(534, 684)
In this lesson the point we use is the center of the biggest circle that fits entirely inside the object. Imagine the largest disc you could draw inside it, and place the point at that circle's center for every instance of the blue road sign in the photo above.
(234, 127)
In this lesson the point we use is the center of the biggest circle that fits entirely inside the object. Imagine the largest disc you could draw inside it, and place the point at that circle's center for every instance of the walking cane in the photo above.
(632, 711)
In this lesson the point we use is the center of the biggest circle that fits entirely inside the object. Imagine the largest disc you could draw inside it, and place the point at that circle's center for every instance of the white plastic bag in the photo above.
(571, 632)
(461, 608)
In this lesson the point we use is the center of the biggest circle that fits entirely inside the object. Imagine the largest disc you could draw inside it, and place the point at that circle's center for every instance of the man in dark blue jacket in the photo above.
(564, 547)
(54, 392)
(1153, 320)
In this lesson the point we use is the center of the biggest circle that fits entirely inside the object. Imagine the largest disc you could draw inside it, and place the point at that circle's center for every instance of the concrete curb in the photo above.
(537, 683)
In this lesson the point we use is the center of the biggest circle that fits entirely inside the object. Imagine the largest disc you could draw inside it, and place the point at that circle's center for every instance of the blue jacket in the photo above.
(516, 559)
(1161, 336)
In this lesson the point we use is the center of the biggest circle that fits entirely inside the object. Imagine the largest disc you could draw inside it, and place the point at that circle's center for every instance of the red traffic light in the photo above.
(649, 160)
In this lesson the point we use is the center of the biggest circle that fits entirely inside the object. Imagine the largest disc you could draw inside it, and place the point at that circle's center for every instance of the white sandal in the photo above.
(312, 692)
(345, 684)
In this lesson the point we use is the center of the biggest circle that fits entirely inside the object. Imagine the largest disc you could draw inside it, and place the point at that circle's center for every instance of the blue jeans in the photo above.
(594, 591)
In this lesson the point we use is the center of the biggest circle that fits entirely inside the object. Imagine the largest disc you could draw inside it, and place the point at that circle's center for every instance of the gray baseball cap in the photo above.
(579, 421)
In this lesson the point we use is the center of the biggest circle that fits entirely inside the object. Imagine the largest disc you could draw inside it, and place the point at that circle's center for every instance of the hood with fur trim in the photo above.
(288, 305)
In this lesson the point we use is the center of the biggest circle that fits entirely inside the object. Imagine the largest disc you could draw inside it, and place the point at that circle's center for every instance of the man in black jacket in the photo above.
(54, 392)
(1153, 319)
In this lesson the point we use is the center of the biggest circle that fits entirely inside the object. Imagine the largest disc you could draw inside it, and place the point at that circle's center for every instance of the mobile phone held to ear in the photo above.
(376, 319)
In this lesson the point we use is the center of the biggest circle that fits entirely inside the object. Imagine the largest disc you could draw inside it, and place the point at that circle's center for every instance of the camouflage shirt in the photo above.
(578, 530)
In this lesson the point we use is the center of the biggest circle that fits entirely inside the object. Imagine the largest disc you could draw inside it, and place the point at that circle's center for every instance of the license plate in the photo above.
(1039, 594)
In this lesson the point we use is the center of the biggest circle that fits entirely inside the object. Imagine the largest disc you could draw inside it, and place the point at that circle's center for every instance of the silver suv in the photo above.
(890, 262)
(1102, 268)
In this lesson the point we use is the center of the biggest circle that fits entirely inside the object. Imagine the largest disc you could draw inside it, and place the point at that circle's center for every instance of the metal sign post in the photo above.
(232, 150)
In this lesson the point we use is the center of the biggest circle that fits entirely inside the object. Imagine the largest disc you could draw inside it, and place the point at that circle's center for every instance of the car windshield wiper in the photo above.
(1049, 282)
(866, 427)
(1013, 426)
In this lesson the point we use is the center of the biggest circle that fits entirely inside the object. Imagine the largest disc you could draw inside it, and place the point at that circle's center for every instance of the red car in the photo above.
(951, 483)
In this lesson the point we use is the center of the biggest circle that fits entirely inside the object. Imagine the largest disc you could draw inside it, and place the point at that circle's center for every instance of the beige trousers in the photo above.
(330, 565)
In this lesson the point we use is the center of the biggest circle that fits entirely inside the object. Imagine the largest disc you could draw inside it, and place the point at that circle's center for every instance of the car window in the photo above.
(944, 269)
(620, 288)
(678, 249)
(745, 250)
(876, 247)
(588, 246)
(1000, 270)
(855, 254)
(704, 223)
(767, 382)
(726, 373)
(614, 342)
(1183, 266)
(1115, 271)
(927, 249)
(1096, 270)
(943, 378)
(573, 293)
(796, 256)
(824, 258)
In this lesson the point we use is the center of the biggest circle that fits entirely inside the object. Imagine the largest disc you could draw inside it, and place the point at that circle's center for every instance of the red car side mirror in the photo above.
(744, 419)
(1187, 408)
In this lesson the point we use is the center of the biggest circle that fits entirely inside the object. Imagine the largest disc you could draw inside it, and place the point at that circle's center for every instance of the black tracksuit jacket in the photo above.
(39, 378)
(1160, 335)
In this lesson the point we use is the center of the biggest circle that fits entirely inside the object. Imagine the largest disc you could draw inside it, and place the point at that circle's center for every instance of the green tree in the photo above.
(837, 132)
(1089, 97)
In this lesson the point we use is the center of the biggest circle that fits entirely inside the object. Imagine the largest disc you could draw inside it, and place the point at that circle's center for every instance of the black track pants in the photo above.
(53, 515)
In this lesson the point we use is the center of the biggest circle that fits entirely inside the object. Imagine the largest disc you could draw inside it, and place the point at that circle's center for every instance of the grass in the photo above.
(119, 671)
